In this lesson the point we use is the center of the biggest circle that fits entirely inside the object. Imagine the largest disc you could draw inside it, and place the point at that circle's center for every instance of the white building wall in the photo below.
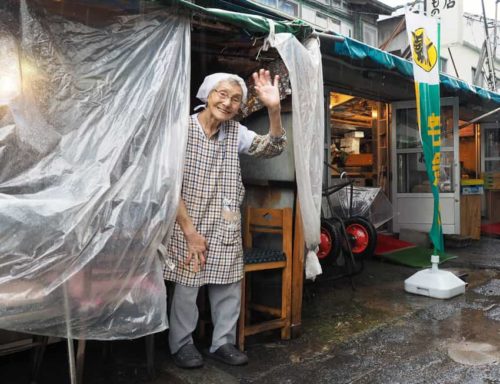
(324, 21)
(463, 34)
(346, 29)
(465, 58)
(308, 14)
(319, 17)
(467, 52)
(399, 41)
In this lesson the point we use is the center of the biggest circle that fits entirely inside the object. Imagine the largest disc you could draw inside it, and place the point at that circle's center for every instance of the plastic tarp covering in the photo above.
(373, 57)
(91, 155)
(368, 202)
(306, 77)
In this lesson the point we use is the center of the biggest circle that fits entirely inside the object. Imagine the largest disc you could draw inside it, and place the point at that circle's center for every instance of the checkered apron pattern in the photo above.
(211, 173)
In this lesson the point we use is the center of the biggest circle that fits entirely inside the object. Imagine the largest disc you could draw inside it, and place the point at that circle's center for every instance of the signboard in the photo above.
(450, 14)
(423, 34)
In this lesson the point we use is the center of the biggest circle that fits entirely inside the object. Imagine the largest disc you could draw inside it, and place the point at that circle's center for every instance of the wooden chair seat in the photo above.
(268, 221)
(261, 255)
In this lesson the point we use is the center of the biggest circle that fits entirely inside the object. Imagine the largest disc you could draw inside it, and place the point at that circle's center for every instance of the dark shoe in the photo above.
(229, 354)
(188, 357)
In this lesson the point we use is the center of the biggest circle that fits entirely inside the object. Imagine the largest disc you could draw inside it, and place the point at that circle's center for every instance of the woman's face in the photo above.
(224, 101)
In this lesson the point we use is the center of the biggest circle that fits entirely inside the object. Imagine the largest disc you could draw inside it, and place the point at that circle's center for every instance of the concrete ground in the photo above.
(376, 333)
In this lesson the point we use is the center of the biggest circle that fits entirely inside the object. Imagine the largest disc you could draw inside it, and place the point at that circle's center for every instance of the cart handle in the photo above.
(337, 187)
(343, 174)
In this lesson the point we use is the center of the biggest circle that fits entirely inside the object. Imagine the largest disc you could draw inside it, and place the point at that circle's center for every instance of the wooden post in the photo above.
(297, 273)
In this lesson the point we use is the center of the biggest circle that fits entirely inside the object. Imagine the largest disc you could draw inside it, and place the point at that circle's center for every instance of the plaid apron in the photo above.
(211, 175)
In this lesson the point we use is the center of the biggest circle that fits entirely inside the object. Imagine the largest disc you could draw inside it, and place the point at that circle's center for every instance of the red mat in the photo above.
(491, 229)
(387, 244)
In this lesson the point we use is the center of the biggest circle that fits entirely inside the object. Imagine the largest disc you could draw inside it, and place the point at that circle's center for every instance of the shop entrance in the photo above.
(412, 198)
(490, 168)
(358, 140)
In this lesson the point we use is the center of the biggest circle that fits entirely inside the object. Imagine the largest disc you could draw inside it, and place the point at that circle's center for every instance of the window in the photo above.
(444, 64)
(288, 7)
(412, 174)
(370, 35)
(346, 29)
(321, 20)
(308, 14)
(271, 3)
(491, 148)
(337, 3)
(334, 25)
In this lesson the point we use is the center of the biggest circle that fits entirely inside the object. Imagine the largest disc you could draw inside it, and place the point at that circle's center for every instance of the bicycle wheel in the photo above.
(330, 244)
(362, 236)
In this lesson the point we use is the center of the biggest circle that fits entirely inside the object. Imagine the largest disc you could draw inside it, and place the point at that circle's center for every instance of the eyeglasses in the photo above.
(223, 95)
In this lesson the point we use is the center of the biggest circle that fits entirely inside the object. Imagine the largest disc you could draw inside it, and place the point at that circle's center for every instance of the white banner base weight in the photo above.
(435, 283)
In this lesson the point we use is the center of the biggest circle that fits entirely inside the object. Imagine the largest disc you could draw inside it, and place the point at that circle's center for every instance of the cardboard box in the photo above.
(491, 180)
(359, 160)
(350, 145)
(355, 134)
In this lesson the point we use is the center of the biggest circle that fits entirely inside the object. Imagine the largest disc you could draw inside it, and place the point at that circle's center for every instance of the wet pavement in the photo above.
(376, 333)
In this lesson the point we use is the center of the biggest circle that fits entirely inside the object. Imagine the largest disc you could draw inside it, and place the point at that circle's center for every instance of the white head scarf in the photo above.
(212, 80)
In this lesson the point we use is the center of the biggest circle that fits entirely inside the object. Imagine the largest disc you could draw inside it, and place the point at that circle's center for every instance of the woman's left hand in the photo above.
(267, 91)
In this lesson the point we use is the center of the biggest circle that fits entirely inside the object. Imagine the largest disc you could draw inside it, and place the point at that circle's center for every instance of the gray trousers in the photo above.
(225, 301)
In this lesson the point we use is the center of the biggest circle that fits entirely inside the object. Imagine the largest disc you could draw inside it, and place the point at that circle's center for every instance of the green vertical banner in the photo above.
(423, 34)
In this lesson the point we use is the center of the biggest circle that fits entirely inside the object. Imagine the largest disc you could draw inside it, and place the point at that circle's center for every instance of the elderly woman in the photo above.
(206, 247)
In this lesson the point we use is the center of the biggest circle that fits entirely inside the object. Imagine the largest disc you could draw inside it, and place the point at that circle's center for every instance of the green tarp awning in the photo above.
(256, 20)
(354, 50)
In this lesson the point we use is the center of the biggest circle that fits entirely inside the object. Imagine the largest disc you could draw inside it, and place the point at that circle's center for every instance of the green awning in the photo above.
(254, 23)
(375, 58)
(256, 20)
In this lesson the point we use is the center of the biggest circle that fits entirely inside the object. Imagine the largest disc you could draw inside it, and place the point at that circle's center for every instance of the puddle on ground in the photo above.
(472, 353)
(473, 334)
(492, 288)
(493, 313)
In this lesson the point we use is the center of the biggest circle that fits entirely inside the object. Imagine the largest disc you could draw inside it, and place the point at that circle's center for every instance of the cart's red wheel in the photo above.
(325, 245)
(362, 236)
(359, 237)
(330, 243)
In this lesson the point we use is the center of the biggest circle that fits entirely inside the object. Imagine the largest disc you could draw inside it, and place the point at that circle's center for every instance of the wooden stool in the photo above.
(274, 221)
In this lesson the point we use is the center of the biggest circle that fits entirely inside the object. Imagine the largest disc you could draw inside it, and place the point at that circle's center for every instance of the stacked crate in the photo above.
(491, 180)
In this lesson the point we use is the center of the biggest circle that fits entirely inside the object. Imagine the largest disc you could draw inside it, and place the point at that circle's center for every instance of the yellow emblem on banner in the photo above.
(424, 50)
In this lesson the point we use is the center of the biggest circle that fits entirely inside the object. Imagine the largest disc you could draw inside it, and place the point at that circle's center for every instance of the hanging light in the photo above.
(10, 77)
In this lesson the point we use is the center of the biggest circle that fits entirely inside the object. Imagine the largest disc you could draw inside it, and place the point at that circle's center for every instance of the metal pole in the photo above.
(479, 117)
(453, 62)
(495, 31)
(491, 69)
(328, 36)
(69, 338)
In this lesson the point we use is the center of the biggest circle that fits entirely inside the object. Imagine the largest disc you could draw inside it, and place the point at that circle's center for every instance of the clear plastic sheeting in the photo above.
(306, 76)
(368, 202)
(91, 155)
